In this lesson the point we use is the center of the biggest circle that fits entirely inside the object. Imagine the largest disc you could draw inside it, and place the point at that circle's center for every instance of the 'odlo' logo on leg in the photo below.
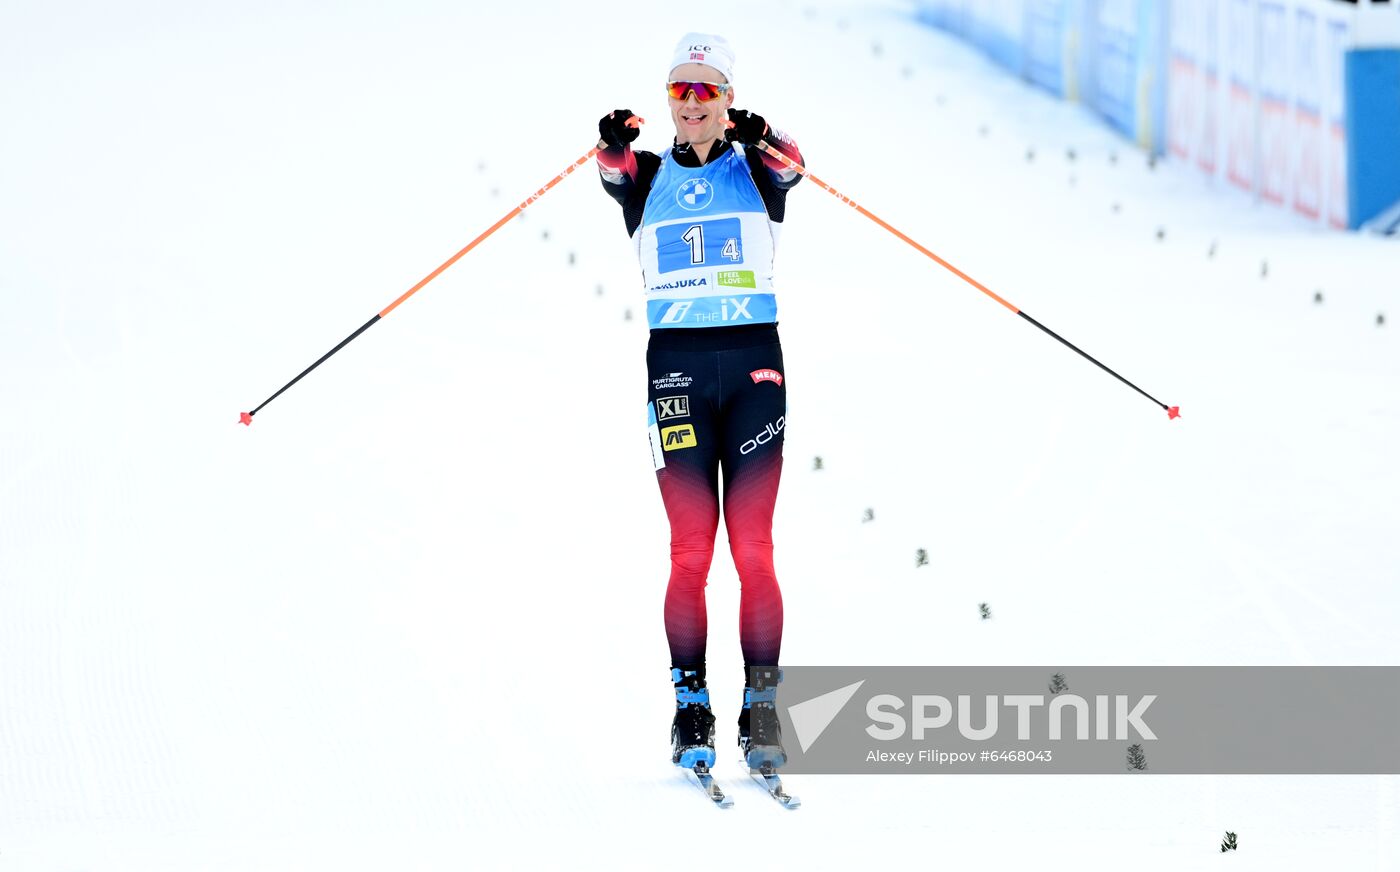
(764, 437)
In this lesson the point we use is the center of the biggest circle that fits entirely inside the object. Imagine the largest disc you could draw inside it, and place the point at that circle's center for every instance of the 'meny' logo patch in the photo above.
(762, 375)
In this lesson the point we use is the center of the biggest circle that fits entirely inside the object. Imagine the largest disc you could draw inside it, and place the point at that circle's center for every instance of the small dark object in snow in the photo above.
(1136, 758)
(1117, 207)
(1030, 155)
(571, 258)
(1380, 319)
(1211, 253)
(1230, 844)
(600, 290)
(985, 610)
(627, 314)
(544, 235)
(982, 131)
(1317, 297)
(817, 462)
(1264, 270)
(1152, 161)
(1113, 157)
(869, 516)
(920, 558)
(1071, 155)
(1161, 233)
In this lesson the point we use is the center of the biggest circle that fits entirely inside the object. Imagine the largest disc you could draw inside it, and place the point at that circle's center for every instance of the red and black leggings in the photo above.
(719, 406)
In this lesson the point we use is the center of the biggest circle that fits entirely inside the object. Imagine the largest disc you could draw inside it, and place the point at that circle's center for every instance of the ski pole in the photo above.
(246, 418)
(1172, 411)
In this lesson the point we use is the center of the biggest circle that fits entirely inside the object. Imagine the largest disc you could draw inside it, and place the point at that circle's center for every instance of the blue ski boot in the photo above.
(693, 729)
(760, 734)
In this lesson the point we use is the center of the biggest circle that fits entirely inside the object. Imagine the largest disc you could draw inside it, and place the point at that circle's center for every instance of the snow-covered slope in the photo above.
(412, 617)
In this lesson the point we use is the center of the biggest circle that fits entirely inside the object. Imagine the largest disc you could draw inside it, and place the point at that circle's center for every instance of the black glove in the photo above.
(613, 129)
(748, 128)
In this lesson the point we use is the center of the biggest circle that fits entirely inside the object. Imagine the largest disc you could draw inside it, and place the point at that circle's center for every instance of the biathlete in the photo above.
(704, 217)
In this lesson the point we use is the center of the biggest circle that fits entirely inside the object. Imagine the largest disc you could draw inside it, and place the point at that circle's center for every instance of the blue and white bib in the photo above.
(706, 246)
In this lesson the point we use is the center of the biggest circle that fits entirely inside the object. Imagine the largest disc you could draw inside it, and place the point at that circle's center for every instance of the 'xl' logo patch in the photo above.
(672, 407)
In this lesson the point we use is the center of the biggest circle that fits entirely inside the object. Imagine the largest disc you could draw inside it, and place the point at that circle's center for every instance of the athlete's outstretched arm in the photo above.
(770, 176)
(626, 174)
(749, 129)
(783, 176)
(616, 162)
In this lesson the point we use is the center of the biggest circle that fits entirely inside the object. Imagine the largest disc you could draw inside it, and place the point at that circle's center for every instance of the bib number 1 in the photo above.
(696, 237)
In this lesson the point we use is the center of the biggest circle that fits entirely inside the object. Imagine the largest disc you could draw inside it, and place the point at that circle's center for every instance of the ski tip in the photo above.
(1173, 412)
(245, 418)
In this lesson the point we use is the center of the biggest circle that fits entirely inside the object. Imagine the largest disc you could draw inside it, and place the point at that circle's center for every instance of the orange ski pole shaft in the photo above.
(1172, 411)
(247, 417)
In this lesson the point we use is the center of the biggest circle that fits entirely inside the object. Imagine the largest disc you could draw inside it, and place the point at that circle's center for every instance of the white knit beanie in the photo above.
(709, 49)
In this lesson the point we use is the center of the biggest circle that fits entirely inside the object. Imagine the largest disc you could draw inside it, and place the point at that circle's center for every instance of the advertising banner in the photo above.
(1184, 79)
(1336, 40)
(1274, 86)
(1240, 122)
(1048, 54)
(1307, 113)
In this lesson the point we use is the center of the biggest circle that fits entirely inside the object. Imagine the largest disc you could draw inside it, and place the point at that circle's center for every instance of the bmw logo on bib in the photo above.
(695, 194)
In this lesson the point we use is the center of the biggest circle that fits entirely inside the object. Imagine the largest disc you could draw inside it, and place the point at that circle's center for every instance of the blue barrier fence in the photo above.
(1289, 100)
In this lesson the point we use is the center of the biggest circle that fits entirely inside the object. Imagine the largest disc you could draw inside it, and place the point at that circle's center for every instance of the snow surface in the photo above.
(411, 618)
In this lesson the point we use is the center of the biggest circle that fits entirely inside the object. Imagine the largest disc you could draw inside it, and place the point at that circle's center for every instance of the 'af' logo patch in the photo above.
(680, 436)
(672, 407)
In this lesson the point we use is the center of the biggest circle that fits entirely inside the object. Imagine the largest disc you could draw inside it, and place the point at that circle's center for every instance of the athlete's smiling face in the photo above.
(698, 122)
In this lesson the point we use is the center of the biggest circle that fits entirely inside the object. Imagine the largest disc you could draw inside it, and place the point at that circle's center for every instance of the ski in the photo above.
(768, 777)
(706, 782)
